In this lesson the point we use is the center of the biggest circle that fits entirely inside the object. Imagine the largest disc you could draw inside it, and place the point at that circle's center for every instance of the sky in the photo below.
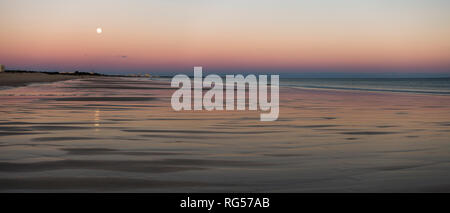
(285, 36)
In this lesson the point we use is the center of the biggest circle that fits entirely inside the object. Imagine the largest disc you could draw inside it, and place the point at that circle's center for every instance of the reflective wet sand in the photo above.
(121, 134)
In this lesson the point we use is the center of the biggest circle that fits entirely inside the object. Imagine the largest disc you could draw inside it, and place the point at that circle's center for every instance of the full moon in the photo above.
(99, 30)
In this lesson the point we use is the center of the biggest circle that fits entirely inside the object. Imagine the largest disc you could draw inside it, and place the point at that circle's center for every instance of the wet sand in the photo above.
(117, 135)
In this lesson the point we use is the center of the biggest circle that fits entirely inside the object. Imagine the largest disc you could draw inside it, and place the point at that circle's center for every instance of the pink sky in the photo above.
(283, 35)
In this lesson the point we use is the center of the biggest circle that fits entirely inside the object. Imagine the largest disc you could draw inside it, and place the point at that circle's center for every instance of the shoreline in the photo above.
(24, 78)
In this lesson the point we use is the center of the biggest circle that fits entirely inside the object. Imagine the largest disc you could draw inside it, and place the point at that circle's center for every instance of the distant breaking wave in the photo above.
(419, 86)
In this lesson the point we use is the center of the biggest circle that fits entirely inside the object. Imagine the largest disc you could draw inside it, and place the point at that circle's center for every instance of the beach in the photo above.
(109, 134)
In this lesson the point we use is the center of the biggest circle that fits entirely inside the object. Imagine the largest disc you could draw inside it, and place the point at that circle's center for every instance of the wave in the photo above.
(420, 86)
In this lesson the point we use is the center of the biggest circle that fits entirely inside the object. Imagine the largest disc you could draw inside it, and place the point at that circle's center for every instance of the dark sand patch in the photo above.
(210, 162)
(434, 107)
(443, 123)
(329, 118)
(285, 155)
(332, 129)
(97, 183)
(104, 99)
(180, 119)
(13, 128)
(437, 188)
(20, 133)
(59, 127)
(394, 109)
(14, 123)
(386, 126)
(106, 151)
(351, 139)
(122, 166)
(401, 113)
(318, 126)
(45, 139)
(399, 167)
(121, 119)
(403, 150)
(120, 105)
(368, 133)
(156, 166)
(179, 136)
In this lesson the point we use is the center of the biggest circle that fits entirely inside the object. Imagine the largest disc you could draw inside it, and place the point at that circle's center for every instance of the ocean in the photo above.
(408, 85)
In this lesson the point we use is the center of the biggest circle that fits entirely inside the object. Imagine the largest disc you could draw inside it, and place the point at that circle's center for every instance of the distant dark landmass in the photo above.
(11, 78)
(56, 73)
